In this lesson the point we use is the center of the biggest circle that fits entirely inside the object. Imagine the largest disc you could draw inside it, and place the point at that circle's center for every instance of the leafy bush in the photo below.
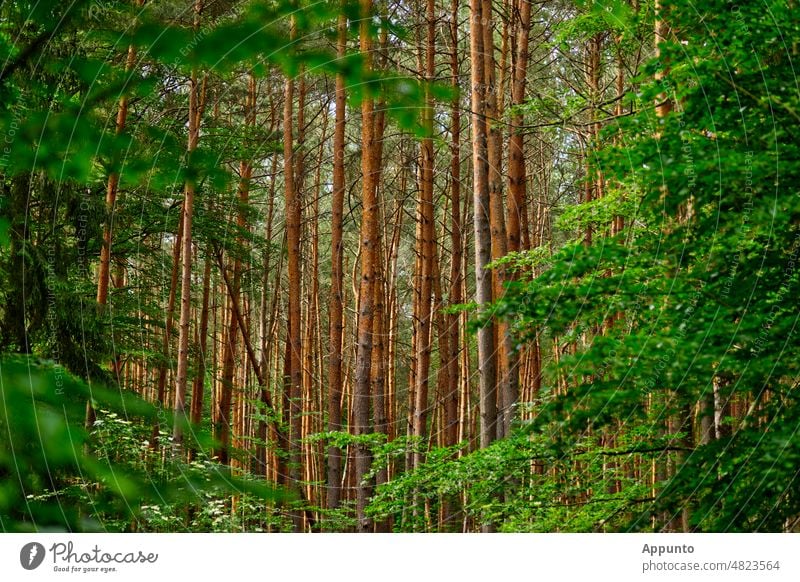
(58, 476)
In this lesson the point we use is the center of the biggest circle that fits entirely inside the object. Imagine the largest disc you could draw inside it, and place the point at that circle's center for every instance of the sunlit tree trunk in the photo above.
(662, 31)
(369, 238)
(182, 368)
(112, 185)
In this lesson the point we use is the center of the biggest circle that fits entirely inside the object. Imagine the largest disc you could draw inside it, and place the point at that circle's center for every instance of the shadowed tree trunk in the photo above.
(336, 305)
(517, 183)
(483, 242)
(198, 387)
(456, 291)
(425, 245)
(294, 372)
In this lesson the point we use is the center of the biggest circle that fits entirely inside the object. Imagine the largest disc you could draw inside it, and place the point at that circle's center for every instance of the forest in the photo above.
(399, 266)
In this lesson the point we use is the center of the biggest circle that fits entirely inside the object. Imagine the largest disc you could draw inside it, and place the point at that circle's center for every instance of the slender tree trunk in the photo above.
(443, 339)
(198, 387)
(662, 32)
(294, 337)
(380, 320)
(517, 179)
(112, 185)
(456, 292)
(378, 364)
(273, 346)
(104, 269)
(250, 352)
(222, 425)
(314, 342)
(182, 371)
(336, 305)
(499, 243)
(483, 241)
(264, 328)
(517, 175)
(422, 326)
(369, 237)
(267, 323)
(393, 309)
(451, 390)
(619, 221)
(593, 188)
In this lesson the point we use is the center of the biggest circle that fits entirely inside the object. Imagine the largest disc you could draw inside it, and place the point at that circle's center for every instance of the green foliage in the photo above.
(699, 291)
(511, 484)
(692, 306)
(58, 476)
(694, 301)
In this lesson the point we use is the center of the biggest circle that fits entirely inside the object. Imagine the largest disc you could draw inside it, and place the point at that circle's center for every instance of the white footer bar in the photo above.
(400, 557)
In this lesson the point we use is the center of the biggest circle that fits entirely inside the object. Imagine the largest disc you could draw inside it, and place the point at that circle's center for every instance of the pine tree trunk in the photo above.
(182, 371)
(483, 242)
(336, 305)
(517, 182)
(104, 269)
(662, 31)
(294, 337)
(268, 316)
(369, 237)
(456, 293)
(198, 387)
(422, 327)
(517, 175)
